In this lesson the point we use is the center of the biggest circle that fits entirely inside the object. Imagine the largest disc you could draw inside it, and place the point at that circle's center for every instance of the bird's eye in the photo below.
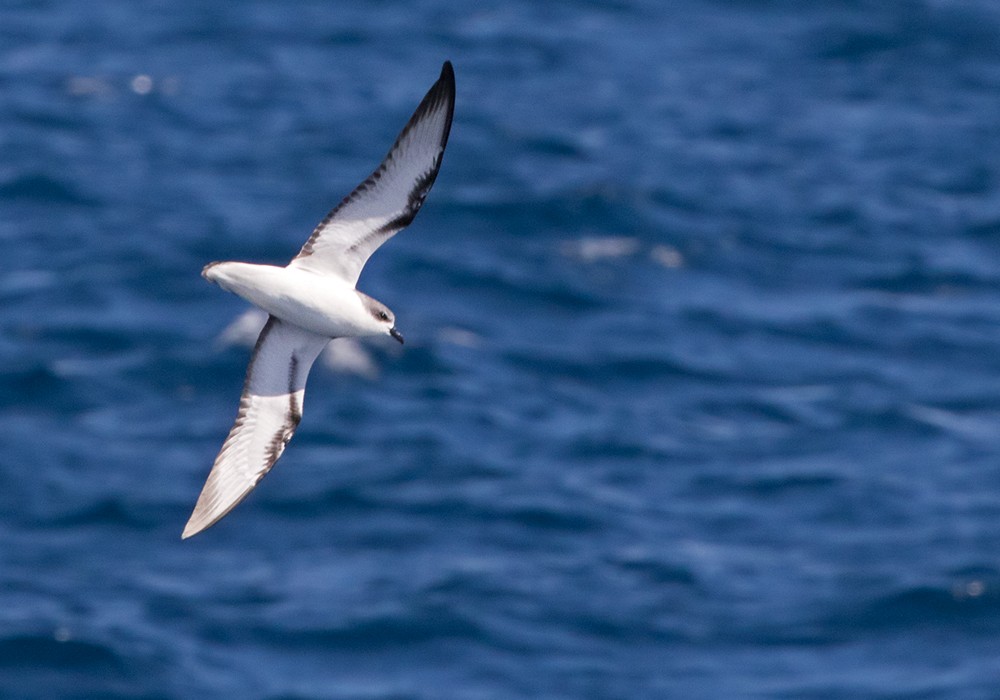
(383, 315)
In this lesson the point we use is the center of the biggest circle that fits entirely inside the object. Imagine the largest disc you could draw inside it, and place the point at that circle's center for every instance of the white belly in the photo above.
(323, 304)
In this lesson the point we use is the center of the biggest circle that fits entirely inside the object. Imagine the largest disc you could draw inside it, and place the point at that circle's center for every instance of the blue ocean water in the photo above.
(701, 390)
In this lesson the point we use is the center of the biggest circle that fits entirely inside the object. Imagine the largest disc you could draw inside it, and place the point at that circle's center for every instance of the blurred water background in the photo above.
(701, 390)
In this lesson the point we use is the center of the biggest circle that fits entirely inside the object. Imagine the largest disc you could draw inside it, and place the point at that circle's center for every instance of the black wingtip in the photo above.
(445, 84)
(448, 80)
(442, 92)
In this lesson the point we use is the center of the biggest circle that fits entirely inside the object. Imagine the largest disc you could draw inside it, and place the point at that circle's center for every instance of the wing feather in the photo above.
(270, 410)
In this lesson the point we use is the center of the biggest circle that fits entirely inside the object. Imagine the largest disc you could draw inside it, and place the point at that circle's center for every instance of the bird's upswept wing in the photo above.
(387, 201)
(270, 409)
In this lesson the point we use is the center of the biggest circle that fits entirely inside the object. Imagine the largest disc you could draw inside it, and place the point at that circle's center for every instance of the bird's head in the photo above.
(384, 320)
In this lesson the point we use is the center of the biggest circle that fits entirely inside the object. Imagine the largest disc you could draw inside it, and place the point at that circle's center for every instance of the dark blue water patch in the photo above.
(791, 486)
(421, 626)
(480, 285)
(860, 43)
(606, 207)
(673, 198)
(966, 180)
(361, 694)
(525, 513)
(926, 607)
(345, 500)
(616, 447)
(35, 384)
(43, 190)
(918, 279)
(606, 369)
(961, 31)
(658, 569)
(107, 512)
(41, 651)
(555, 146)
(974, 579)
(985, 227)
(37, 666)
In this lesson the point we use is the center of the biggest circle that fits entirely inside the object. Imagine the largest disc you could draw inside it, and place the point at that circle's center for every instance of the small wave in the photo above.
(981, 428)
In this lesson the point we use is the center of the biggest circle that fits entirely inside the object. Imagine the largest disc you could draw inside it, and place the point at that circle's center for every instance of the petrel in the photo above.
(313, 299)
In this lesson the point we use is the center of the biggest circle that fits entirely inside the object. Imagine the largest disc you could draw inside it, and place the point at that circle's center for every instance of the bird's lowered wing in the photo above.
(270, 409)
